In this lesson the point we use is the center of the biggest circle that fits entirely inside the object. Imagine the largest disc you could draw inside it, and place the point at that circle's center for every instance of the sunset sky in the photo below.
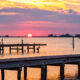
(39, 17)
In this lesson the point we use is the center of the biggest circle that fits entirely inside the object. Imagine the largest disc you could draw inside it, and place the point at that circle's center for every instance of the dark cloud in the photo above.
(37, 15)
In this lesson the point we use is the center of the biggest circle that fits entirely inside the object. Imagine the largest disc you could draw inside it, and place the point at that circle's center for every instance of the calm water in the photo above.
(55, 46)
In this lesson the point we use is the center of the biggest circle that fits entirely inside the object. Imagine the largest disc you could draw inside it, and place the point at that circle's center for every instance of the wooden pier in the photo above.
(20, 47)
(39, 62)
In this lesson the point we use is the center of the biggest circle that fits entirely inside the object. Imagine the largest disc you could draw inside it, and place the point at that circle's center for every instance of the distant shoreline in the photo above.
(38, 37)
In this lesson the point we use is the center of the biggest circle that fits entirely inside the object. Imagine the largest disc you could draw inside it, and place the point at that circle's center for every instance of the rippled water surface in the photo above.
(55, 46)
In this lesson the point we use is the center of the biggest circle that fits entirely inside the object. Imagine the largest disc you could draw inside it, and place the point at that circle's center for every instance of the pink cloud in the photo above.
(39, 28)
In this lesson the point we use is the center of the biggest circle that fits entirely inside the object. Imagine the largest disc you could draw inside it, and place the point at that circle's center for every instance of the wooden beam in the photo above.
(79, 71)
(43, 72)
(12, 69)
(28, 49)
(62, 72)
(0, 50)
(34, 48)
(22, 47)
(25, 73)
(2, 74)
(17, 49)
(73, 42)
(10, 50)
(19, 74)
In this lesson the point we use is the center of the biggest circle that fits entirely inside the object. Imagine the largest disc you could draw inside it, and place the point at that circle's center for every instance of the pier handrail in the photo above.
(39, 62)
(41, 58)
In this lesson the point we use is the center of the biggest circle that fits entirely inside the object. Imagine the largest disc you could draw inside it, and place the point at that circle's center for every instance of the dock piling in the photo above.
(34, 48)
(0, 50)
(10, 50)
(2, 74)
(22, 47)
(44, 72)
(27, 49)
(17, 49)
(25, 73)
(38, 49)
(73, 42)
(62, 72)
(78, 71)
(19, 74)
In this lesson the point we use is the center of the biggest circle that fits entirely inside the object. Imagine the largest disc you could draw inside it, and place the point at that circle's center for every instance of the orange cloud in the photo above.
(51, 5)
(8, 13)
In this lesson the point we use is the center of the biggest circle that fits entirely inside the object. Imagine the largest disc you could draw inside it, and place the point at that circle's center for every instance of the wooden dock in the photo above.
(39, 62)
(20, 47)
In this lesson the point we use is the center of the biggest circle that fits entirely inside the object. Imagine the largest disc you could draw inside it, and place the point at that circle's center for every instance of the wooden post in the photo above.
(17, 49)
(34, 47)
(62, 72)
(22, 47)
(28, 49)
(10, 50)
(79, 71)
(2, 47)
(0, 50)
(19, 74)
(73, 42)
(2, 74)
(44, 72)
(38, 49)
(25, 73)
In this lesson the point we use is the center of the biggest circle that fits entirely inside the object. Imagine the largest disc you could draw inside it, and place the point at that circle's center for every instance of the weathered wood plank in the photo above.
(2, 74)
(8, 45)
(37, 61)
(62, 71)
(43, 72)
(19, 74)
(25, 73)
(22, 47)
(79, 71)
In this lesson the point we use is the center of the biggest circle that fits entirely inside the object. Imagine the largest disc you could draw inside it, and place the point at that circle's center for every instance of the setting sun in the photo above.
(29, 35)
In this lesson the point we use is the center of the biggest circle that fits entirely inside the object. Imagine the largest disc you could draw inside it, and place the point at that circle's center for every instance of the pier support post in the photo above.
(2, 74)
(28, 49)
(19, 74)
(78, 71)
(44, 72)
(10, 50)
(25, 73)
(17, 49)
(38, 49)
(34, 48)
(0, 50)
(22, 47)
(62, 71)
(73, 42)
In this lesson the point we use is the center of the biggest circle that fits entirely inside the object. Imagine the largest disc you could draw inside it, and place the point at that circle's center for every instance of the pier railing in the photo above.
(39, 62)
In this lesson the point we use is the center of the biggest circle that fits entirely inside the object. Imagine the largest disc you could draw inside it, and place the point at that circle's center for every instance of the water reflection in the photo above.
(55, 46)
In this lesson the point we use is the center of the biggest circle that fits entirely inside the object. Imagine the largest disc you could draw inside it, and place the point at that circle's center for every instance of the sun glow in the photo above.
(29, 35)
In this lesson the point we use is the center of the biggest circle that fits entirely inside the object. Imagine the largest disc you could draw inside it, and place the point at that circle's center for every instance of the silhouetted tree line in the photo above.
(64, 35)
